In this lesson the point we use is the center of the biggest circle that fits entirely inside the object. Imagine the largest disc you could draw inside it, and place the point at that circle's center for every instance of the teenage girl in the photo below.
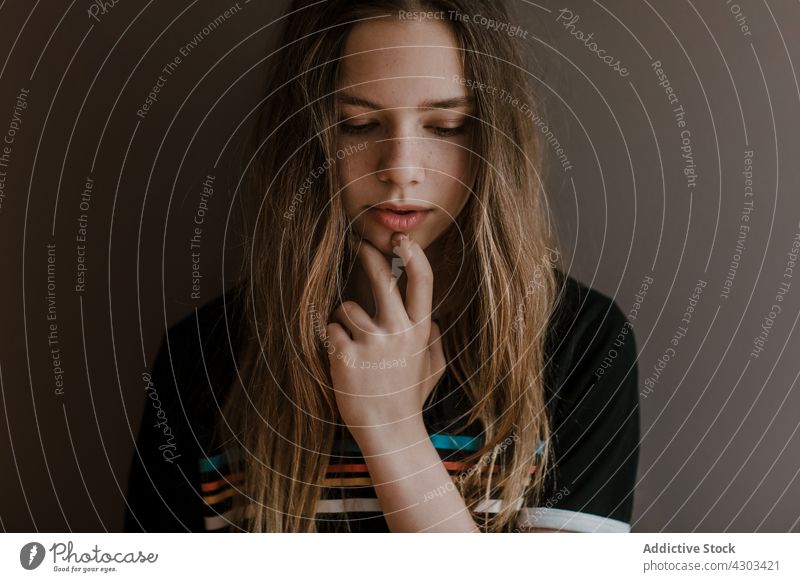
(404, 352)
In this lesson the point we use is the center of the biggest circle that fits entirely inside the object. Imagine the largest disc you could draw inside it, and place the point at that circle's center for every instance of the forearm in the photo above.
(406, 471)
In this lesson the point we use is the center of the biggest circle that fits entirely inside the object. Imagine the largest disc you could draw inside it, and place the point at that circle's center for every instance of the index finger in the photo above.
(388, 302)
(419, 287)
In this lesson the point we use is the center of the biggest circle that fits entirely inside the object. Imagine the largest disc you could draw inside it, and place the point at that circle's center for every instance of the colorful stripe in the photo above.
(344, 476)
(212, 499)
(371, 504)
(228, 480)
(216, 462)
(349, 505)
(364, 481)
(348, 482)
(449, 465)
(445, 442)
(440, 441)
(568, 520)
(348, 468)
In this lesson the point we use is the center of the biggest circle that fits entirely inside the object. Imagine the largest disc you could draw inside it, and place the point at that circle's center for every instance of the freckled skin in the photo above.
(407, 158)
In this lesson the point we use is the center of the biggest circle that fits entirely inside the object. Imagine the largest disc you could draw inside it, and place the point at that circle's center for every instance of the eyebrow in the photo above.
(450, 103)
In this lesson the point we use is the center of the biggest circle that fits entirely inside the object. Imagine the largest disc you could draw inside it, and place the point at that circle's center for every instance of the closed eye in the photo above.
(449, 131)
(356, 128)
(438, 130)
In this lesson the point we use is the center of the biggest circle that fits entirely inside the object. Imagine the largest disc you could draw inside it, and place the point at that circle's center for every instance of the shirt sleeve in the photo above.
(595, 429)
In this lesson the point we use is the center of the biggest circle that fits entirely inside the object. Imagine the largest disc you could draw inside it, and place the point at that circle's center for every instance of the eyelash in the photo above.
(440, 131)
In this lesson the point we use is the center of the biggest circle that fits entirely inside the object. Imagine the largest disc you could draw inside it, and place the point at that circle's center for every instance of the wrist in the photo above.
(382, 438)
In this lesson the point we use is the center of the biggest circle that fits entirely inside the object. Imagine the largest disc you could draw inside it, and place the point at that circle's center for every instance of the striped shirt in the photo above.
(348, 501)
(177, 483)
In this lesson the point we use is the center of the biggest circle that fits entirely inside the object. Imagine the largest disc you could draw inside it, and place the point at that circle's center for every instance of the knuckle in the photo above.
(349, 309)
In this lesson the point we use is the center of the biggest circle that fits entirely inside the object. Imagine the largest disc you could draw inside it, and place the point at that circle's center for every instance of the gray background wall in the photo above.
(720, 447)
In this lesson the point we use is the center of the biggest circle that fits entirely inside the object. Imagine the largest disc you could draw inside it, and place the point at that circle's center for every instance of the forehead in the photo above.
(402, 62)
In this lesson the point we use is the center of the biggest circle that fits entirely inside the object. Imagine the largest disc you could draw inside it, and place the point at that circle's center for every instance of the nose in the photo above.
(401, 161)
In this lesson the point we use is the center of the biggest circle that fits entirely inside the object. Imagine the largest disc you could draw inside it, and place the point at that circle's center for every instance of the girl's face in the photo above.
(405, 134)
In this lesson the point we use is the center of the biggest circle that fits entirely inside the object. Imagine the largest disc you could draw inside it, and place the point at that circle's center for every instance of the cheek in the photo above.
(357, 168)
(353, 176)
(452, 176)
(452, 160)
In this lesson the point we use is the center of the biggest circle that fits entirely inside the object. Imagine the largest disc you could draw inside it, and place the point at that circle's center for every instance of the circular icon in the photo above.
(31, 555)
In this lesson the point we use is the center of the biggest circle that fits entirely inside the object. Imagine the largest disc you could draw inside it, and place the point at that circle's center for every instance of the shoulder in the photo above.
(581, 309)
(589, 338)
(207, 331)
(197, 357)
(193, 367)
(210, 323)
(593, 401)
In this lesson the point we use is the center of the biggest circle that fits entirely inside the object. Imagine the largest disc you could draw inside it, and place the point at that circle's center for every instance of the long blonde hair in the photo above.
(280, 410)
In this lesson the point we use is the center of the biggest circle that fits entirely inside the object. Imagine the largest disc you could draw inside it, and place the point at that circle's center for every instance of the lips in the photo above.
(399, 207)
(398, 217)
